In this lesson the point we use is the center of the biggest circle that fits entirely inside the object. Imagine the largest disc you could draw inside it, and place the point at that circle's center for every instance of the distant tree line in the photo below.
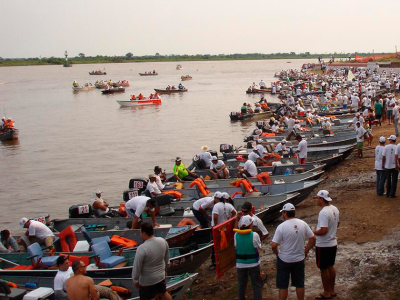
(81, 58)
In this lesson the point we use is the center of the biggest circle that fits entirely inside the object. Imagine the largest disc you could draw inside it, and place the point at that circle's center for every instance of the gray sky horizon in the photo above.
(47, 28)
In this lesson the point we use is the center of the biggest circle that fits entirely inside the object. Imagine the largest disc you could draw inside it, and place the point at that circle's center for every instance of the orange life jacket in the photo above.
(121, 209)
(120, 240)
(133, 97)
(174, 193)
(72, 258)
(70, 234)
(121, 290)
(185, 222)
(201, 186)
(264, 178)
(247, 185)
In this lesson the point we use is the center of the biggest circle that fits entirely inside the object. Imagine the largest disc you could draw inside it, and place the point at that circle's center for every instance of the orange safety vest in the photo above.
(70, 234)
(201, 186)
(264, 178)
(247, 185)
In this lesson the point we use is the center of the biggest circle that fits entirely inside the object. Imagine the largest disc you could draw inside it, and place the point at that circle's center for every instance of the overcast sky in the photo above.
(49, 27)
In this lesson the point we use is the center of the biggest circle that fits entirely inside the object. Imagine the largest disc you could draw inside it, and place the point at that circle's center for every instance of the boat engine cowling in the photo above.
(163, 199)
(81, 211)
(129, 194)
(138, 183)
(260, 124)
(225, 148)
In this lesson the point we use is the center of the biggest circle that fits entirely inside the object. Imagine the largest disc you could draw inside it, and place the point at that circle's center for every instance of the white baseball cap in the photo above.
(225, 195)
(245, 221)
(218, 195)
(357, 114)
(283, 141)
(392, 137)
(288, 207)
(382, 139)
(324, 194)
(23, 221)
(255, 149)
(259, 140)
(214, 158)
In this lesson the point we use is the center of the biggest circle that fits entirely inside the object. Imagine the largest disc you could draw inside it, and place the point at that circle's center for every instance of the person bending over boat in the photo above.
(218, 169)
(37, 233)
(181, 173)
(99, 205)
(249, 169)
(8, 243)
(200, 207)
(138, 205)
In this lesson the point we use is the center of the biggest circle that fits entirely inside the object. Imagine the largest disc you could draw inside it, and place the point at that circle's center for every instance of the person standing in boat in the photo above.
(262, 84)
(2, 123)
(301, 149)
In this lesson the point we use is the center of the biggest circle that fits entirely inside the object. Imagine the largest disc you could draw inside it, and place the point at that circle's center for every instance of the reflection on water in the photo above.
(71, 143)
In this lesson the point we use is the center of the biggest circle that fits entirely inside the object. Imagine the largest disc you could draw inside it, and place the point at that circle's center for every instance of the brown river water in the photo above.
(71, 143)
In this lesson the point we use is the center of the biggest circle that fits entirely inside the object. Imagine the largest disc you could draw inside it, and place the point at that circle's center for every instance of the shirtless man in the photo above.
(79, 286)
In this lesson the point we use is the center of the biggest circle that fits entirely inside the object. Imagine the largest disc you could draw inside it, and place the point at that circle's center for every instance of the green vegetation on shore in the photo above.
(129, 58)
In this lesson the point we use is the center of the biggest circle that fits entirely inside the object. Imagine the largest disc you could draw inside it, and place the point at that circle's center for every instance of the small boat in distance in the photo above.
(114, 90)
(172, 89)
(154, 73)
(98, 72)
(86, 87)
(137, 102)
(9, 132)
(179, 67)
(187, 77)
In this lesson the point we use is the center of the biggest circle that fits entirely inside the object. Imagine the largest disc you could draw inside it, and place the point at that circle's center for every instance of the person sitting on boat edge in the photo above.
(218, 169)
(180, 86)
(281, 147)
(99, 205)
(160, 178)
(256, 158)
(8, 243)
(181, 173)
(140, 96)
(75, 84)
(249, 169)
(137, 206)
(37, 233)
(152, 187)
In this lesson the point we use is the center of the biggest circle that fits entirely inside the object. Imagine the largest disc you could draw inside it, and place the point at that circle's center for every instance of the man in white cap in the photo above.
(356, 119)
(249, 169)
(152, 186)
(248, 245)
(218, 169)
(360, 132)
(326, 245)
(205, 156)
(390, 164)
(256, 158)
(389, 108)
(99, 205)
(37, 233)
(200, 208)
(290, 235)
(325, 124)
(260, 147)
(138, 205)
(380, 171)
(301, 149)
(258, 225)
(281, 147)
(355, 101)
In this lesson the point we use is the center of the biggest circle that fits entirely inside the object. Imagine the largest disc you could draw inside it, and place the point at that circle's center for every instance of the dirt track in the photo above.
(368, 264)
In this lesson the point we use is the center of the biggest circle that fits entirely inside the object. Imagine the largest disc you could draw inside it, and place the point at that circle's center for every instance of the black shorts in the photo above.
(286, 270)
(325, 256)
(150, 291)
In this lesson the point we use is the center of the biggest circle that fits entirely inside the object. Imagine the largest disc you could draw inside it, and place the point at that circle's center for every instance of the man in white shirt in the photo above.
(218, 169)
(356, 119)
(396, 119)
(390, 164)
(152, 186)
(256, 158)
(258, 225)
(301, 149)
(389, 109)
(200, 208)
(260, 147)
(218, 216)
(64, 272)
(326, 245)
(205, 156)
(37, 233)
(325, 124)
(249, 169)
(360, 131)
(281, 147)
(380, 171)
(138, 205)
(290, 235)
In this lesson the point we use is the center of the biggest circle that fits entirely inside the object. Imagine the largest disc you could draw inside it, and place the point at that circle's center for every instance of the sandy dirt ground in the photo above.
(367, 263)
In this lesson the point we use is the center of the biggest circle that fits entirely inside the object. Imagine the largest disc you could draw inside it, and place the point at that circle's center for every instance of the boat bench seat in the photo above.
(106, 257)
(36, 252)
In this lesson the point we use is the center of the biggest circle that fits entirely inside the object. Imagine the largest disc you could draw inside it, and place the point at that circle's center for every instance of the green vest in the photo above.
(245, 251)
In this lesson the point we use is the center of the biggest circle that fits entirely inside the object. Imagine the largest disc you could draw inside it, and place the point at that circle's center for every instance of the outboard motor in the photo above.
(250, 144)
(164, 201)
(234, 115)
(213, 153)
(81, 211)
(197, 163)
(138, 183)
(260, 124)
(129, 194)
(225, 148)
